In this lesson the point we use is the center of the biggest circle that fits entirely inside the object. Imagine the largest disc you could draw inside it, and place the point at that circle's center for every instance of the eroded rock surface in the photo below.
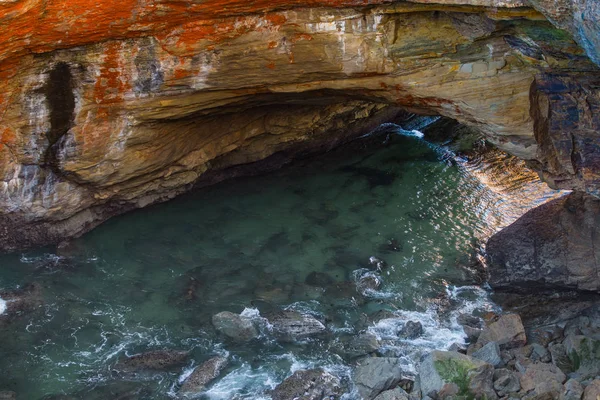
(552, 246)
(111, 106)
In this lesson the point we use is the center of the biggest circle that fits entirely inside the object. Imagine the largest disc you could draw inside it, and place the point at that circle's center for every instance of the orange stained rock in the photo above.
(110, 85)
(43, 25)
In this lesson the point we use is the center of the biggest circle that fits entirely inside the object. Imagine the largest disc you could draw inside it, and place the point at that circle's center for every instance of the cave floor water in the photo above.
(152, 279)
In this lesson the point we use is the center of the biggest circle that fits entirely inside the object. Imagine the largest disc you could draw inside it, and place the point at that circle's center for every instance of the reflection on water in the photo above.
(401, 210)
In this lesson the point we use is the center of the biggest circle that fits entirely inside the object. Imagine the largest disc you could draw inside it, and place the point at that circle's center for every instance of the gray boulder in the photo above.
(202, 376)
(473, 377)
(572, 390)
(291, 325)
(394, 394)
(374, 375)
(234, 326)
(361, 345)
(505, 382)
(312, 384)
(490, 353)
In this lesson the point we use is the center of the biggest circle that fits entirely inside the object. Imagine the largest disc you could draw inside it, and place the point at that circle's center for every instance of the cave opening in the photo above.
(61, 104)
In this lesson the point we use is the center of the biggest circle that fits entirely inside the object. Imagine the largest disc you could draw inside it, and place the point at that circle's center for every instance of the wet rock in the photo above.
(507, 331)
(411, 330)
(321, 279)
(377, 263)
(361, 345)
(592, 390)
(16, 303)
(313, 384)
(394, 394)
(505, 382)
(374, 375)
(153, 360)
(203, 375)
(551, 246)
(381, 314)
(572, 390)
(344, 294)
(368, 282)
(439, 368)
(234, 326)
(457, 347)
(543, 378)
(8, 395)
(490, 353)
(289, 325)
(472, 333)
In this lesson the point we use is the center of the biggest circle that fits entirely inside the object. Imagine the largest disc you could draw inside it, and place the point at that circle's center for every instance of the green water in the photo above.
(152, 279)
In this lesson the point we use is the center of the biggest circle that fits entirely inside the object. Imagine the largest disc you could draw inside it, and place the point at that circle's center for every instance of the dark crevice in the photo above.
(61, 103)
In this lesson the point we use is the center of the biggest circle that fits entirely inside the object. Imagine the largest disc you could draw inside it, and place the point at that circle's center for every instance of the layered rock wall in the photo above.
(109, 106)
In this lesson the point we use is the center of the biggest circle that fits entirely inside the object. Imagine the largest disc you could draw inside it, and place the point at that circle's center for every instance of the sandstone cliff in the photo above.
(108, 106)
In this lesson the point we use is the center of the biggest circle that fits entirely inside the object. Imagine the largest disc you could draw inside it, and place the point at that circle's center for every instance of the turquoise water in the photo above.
(152, 279)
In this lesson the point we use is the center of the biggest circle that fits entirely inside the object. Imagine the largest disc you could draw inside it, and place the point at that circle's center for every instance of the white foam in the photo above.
(2, 306)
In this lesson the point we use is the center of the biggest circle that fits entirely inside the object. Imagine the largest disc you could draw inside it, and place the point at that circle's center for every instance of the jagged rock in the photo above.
(572, 390)
(153, 360)
(374, 375)
(394, 394)
(411, 330)
(490, 353)
(507, 331)
(234, 326)
(541, 378)
(313, 384)
(592, 390)
(473, 376)
(289, 325)
(551, 246)
(540, 353)
(202, 375)
(505, 382)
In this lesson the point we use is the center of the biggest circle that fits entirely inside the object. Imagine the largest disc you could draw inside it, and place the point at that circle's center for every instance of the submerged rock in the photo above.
(153, 360)
(203, 375)
(374, 375)
(8, 395)
(289, 325)
(234, 326)
(312, 384)
(320, 279)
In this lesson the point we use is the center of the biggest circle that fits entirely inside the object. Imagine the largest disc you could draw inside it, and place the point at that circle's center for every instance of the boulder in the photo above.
(360, 345)
(572, 390)
(505, 382)
(490, 353)
(202, 375)
(552, 246)
(592, 390)
(584, 354)
(289, 325)
(543, 378)
(507, 331)
(473, 377)
(368, 282)
(374, 375)
(558, 354)
(234, 326)
(411, 330)
(394, 394)
(312, 384)
(157, 360)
